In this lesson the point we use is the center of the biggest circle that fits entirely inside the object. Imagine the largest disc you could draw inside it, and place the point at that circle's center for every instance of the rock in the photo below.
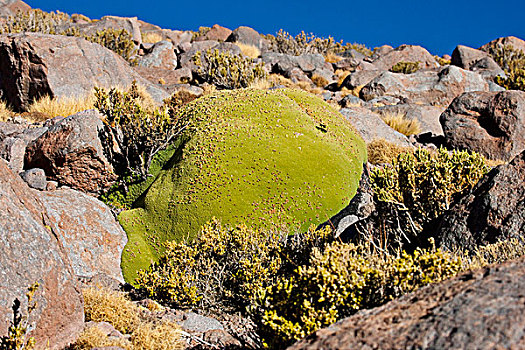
(178, 37)
(35, 178)
(426, 115)
(371, 127)
(406, 53)
(86, 228)
(351, 101)
(492, 211)
(490, 123)
(360, 207)
(360, 78)
(33, 65)
(12, 7)
(480, 309)
(71, 153)
(248, 36)
(216, 33)
(131, 24)
(13, 145)
(476, 61)
(434, 87)
(51, 185)
(186, 59)
(162, 55)
(516, 43)
(349, 64)
(106, 327)
(311, 64)
(222, 339)
(193, 322)
(31, 253)
(382, 50)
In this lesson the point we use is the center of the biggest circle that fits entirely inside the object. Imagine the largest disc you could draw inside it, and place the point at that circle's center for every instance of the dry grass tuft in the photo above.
(341, 76)
(5, 112)
(249, 50)
(65, 106)
(494, 162)
(260, 84)
(151, 37)
(94, 337)
(162, 336)
(319, 81)
(110, 306)
(102, 305)
(381, 151)
(400, 123)
(332, 58)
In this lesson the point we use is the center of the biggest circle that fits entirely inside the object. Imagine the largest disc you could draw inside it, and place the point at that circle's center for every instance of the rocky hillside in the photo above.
(224, 188)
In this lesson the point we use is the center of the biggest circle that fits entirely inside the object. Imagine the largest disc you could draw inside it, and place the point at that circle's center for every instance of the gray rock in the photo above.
(360, 78)
(428, 116)
(193, 322)
(406, 53)
(13, 144)
(35, 178)
(248, 36)
(161, 55)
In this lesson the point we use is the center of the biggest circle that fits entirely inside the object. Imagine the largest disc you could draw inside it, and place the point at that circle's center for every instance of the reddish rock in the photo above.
(166, 76)
(494, 210)
(33, 65)
(12, 7)
(162, 55)
(490, 123)
(178, 37)
(476, 61)
(31, 253)
(217, 33)
(71, 153)
(360, 78)
(88, 232)
(435, 87)
(482, 309)
(406, 53)
(131, 24)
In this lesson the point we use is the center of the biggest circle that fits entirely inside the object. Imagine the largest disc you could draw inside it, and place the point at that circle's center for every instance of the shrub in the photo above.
(94, 337)
(36, 20)
(226, 70)
(16, 338)
(512, 61)
(442, 61)
(65, 106)
(340, 281)
(381, 151)
(151, 37)
(118, 41)
(400, 123)
(224, 266)
(405, 67)
(319, 81)
(201, 32)
(135, 134)
(425, 183)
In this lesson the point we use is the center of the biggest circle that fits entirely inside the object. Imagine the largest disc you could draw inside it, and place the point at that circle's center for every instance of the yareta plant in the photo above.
(280, 158)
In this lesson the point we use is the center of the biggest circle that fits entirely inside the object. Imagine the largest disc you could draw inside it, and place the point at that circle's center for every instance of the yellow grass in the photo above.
(151, 37)
(5, 112)
(102, 305)
(332, 58)
(381, 151)
(319, 81)
(65, 106)
(400, 123)
(341, 76)
(260, 84)
(249, 50)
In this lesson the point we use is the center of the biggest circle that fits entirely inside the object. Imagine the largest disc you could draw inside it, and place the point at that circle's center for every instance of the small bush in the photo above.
(381, 151)
(65, 106)
(249, 50)
(224, 266)
(405, 67)
(201, 32)
(512, 61)
(118, 41)
(425, 183)
(36, 20)
(136, 133)
(442, 61)
(332, 58)
(338, 282)
(400, 123)
(226, 70)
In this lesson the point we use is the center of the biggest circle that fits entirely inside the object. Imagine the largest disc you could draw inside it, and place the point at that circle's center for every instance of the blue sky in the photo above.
(439, 26)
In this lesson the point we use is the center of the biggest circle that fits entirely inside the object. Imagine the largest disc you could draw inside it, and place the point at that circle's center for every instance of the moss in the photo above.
(263, 158)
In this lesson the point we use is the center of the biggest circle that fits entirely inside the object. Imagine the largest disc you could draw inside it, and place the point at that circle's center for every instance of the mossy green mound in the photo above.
(264, 158)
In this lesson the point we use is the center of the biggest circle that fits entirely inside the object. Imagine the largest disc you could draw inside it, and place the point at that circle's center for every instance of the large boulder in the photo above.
(88, 232)
(475, 60)
(162, 55)
(480, 309)
(12, 7)
(493, 210)
(435, 87)
(310, 64)
(490, 123)
(33, 65)
(32, 253)
(406, 53)
(71, 153)
(217, 33)
(516, 43)
(371, 127)
(256, 157)
(14, 141)
(248, 36)
(130, 24)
